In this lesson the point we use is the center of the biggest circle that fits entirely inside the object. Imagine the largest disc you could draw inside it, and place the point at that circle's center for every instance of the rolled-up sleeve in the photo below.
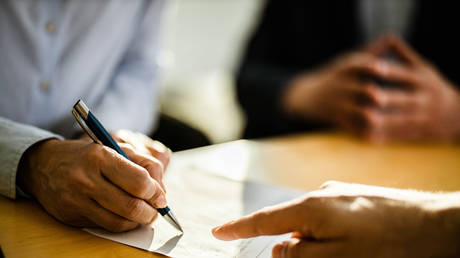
(15, 139)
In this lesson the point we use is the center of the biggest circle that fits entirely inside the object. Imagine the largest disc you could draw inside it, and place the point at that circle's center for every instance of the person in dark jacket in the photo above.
(384, 70)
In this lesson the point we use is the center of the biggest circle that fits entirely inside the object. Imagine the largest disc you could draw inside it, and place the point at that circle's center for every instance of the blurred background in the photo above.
(202, 44)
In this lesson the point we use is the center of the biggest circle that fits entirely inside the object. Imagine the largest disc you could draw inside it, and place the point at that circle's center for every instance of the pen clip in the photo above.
(84, 127)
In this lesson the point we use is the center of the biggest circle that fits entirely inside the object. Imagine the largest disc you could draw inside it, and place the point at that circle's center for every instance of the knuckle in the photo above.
(371, 91)
(368, 118)
(167, 155)
(127, 147)
(364, 61)
(160, 150)
(263, 213)
(156, 191)
(329, 184)
(67, 200)
(156, 167)
(371, 66)
(260, 216)
(153, 163)
(170, 152)
(81, 181)
(344, 198)
(144, 183)
(310, 201)
(372, 94)
(95, 151)
(134, 208)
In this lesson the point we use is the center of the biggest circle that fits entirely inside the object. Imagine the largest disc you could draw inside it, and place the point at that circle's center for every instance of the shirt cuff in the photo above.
(15, 139)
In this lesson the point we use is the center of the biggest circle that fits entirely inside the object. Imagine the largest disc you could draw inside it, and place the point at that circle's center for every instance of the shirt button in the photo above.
(50, 27)
(44, 86)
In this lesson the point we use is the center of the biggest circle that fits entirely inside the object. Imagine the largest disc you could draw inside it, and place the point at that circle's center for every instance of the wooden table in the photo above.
(302, 161)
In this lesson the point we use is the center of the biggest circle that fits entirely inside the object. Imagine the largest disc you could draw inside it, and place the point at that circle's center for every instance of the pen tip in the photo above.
(173, 221)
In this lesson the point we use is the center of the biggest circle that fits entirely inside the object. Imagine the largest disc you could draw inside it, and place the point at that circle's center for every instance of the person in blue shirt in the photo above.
(53, 53)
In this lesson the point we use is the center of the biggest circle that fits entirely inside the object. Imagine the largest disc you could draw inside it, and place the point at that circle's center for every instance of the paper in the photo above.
(202, 200)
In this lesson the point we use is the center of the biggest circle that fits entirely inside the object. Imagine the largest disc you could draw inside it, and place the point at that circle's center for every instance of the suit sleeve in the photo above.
(264, 74)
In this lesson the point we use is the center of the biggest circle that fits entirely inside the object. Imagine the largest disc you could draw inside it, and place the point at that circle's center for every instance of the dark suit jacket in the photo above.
(298, 35)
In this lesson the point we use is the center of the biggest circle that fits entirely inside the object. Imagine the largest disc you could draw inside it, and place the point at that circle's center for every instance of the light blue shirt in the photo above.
(54, 52)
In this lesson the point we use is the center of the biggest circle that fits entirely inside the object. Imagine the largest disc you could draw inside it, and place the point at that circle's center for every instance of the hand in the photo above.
(343, 95)
(339, 94)
(428, 105)
(153, 151)
(85, 184)
(350, 220)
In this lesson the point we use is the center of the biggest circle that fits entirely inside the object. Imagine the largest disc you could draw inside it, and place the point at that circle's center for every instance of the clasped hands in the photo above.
(345, 93)
(86, 184)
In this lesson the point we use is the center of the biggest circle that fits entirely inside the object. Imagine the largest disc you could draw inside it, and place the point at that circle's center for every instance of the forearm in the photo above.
(15, 139)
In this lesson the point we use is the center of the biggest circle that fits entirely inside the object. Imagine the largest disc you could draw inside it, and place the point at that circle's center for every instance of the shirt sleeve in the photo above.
(131, 102)
(15, 139)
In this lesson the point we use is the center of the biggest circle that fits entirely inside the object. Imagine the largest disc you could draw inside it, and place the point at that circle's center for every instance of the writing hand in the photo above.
(150, 150)
(85, 184)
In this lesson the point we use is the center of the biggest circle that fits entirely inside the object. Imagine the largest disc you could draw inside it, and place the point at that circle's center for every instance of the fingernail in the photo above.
(214, 230)
(161, 201)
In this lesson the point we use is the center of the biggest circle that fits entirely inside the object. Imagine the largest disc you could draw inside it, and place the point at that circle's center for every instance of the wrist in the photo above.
(32, 161)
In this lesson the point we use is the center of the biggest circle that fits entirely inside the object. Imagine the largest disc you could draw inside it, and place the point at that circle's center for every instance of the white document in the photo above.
(202, 200)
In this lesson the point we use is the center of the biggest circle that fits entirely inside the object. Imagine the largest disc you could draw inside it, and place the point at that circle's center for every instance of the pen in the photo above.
(97, 132)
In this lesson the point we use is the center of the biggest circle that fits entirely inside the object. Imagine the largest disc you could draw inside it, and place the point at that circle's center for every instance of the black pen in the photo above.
(97, 132)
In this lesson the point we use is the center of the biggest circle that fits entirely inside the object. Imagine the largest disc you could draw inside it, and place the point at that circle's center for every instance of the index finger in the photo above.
(132, 178)
(279, 219)
(146, 145)
(152, 165)
(157, 149)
